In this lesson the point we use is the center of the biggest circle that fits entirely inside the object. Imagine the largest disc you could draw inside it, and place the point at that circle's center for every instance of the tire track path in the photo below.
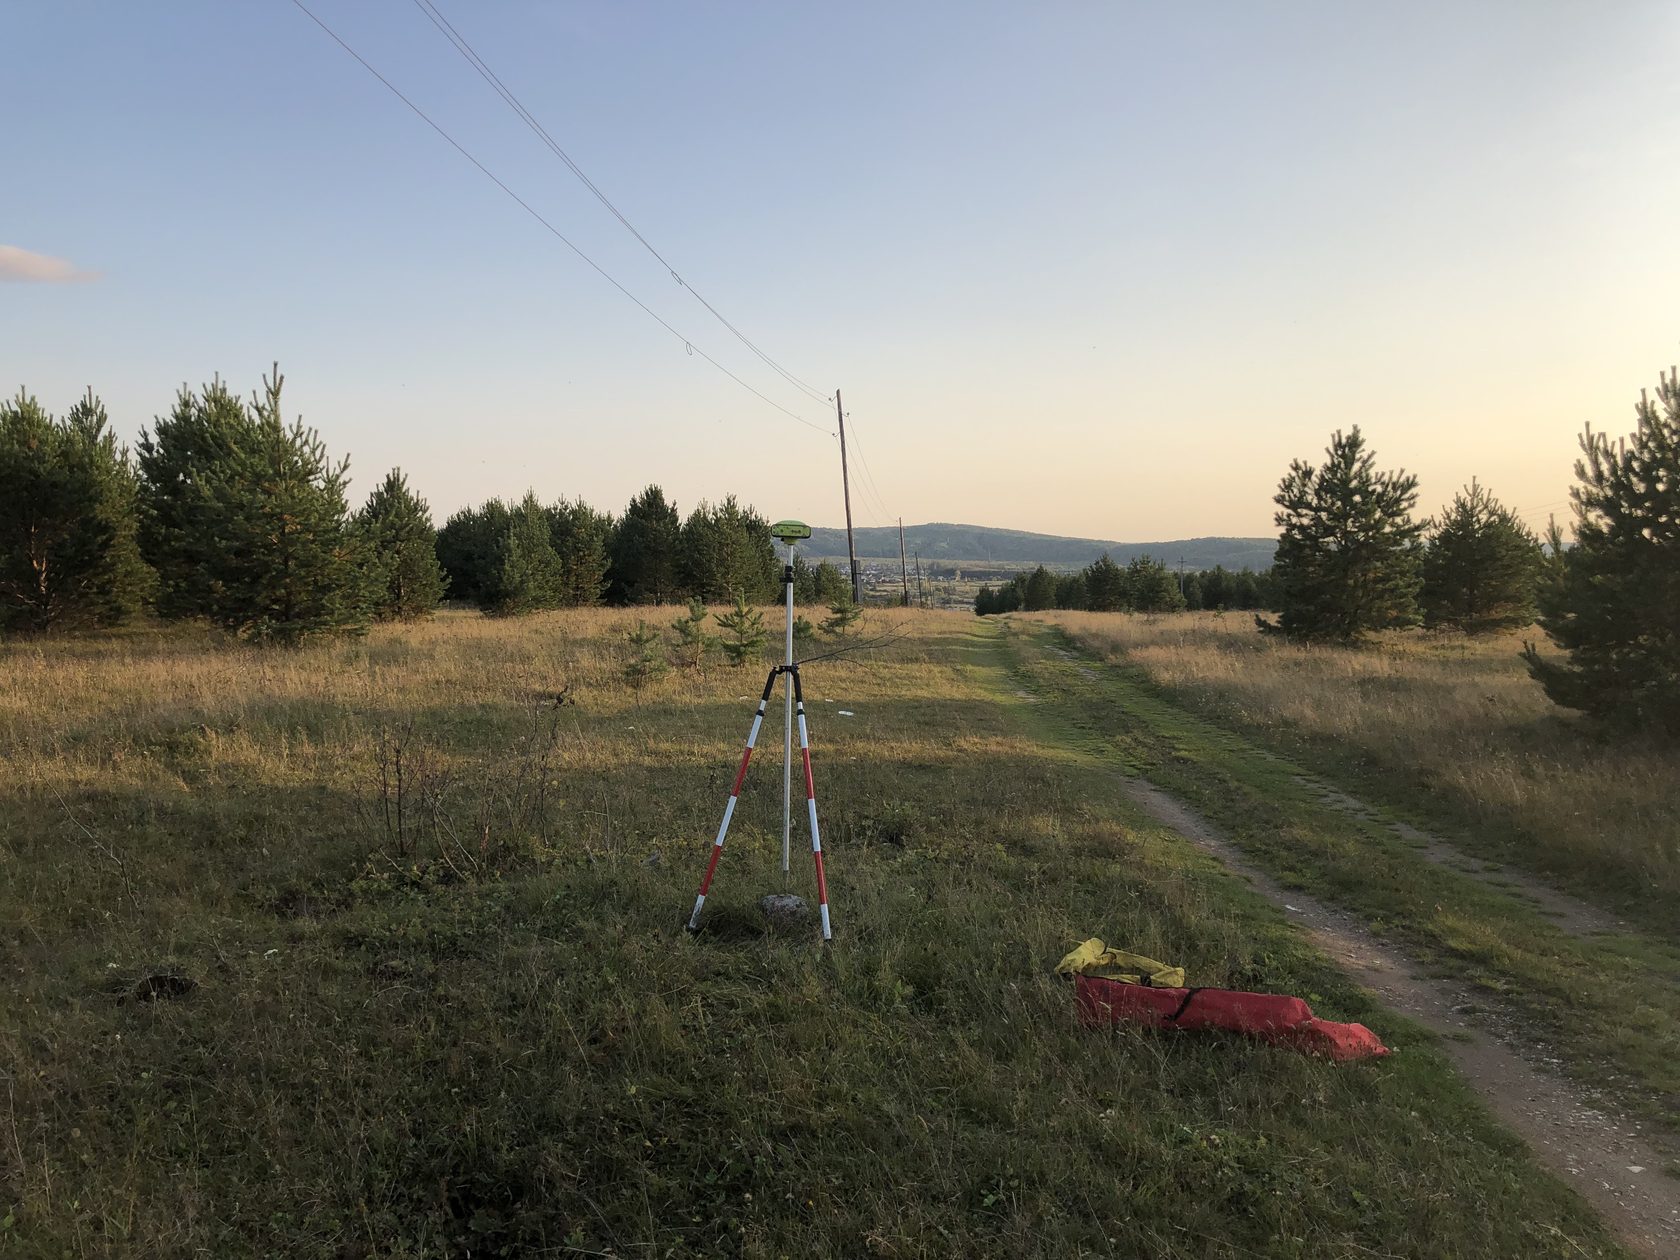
(1602, 1155)
(1604, 1158)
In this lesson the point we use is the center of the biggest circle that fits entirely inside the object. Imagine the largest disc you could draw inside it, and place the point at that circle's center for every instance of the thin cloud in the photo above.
(25, 266)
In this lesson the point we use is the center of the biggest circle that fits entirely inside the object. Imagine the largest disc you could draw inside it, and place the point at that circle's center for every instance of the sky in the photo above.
(1097, 269)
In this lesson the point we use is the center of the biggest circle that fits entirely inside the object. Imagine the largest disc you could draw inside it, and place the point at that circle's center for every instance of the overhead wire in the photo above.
(1548, 510)
(554, 231)
(892, 634)
(462, 46)
(867, 481)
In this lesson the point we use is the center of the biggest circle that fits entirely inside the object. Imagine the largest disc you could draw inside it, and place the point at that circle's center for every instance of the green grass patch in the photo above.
(412, 1055)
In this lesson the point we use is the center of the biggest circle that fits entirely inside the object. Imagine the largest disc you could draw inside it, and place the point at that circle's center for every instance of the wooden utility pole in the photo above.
(846, 489)
(921, 600)
(903, 569)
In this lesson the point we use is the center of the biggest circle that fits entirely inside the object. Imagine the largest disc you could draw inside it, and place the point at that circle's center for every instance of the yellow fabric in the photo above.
(1093, 958)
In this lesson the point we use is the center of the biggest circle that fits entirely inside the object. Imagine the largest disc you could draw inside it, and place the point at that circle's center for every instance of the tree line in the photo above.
(1353, 559)
(519, 557)
(1144, 585)
(226, 512)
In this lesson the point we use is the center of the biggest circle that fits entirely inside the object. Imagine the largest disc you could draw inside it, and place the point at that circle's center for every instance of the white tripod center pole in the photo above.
(787, 729)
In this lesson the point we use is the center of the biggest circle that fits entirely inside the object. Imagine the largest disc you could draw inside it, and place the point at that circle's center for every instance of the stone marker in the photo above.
(784, 911)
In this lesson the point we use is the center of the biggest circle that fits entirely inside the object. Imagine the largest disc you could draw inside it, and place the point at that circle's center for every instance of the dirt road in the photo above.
(1602, 1156)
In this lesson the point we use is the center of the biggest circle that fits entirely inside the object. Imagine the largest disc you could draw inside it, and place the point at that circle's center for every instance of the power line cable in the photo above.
(878, 505)
(868, 480)
(460, 44)
(891, 635)
(560, 236)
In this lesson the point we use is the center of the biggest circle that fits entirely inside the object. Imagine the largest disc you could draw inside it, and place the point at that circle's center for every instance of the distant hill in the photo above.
(982, 544)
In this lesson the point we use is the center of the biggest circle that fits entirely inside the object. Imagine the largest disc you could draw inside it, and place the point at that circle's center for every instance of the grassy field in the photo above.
(1604, 1005)
(1443, 724)
(473, 1026)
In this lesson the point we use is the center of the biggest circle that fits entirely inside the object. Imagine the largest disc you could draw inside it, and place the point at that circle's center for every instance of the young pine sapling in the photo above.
(646, 661)
(745, 629)
(842, 619)
(693, 643)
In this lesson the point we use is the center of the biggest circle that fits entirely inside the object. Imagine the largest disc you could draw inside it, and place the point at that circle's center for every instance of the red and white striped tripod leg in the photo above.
(729, 807)
(811, 808)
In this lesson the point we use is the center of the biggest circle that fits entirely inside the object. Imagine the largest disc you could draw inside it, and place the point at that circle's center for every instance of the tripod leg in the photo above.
(729, 808)
(811, 807)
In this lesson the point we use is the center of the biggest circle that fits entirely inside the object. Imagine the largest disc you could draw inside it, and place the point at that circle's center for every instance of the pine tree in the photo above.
(1614, 605)
(1012, 595)
(1548, 582)
(1040, 592)
(1105, 585)
(469, 547)
(1071, 591)
(1255, 590)
(528, 575)
(727, 551)
(692, 640)
(1217, 592)
(1150, 587)
(247, 519)
(1480, 567)
(842, 619)
(581, 537)
(831, 584)
(1347, 557)
(645, 550)
(291, 567)
(68, 520)
(804, 581)
(1223, 589)
(403, 570)
(122, 582)
(646, 661)
(1195, 594)
(184, 461)
(745, 628)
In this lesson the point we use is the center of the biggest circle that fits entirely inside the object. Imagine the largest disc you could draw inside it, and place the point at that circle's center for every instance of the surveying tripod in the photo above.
(789, 533)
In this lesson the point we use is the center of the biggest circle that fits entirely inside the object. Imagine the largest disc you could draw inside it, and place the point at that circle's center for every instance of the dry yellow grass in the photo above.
(1455, 719)
(500, 719)
(89, 709)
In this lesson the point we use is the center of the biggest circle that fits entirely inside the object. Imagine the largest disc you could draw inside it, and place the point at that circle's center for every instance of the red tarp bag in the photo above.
(1271, 1017)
